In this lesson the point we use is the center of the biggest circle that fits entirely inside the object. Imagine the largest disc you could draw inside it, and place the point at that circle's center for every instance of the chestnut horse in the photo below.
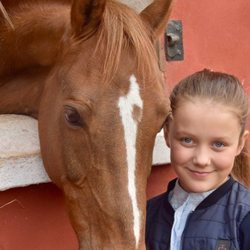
(88, 71)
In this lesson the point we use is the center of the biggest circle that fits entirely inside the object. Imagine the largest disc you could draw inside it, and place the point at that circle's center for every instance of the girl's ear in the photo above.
(242, 141)
(166, 130)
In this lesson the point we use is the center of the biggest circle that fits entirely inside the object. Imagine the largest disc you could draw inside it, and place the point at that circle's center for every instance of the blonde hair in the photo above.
(225, 89)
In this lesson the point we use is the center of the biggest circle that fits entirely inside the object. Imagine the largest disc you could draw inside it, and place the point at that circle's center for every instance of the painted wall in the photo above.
(216, 35)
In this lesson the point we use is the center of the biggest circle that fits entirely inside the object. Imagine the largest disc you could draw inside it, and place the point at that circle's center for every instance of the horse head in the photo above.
(102, 106)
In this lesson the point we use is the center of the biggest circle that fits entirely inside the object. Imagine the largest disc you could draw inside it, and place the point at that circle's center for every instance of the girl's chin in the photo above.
(201, 186)
(196, 188)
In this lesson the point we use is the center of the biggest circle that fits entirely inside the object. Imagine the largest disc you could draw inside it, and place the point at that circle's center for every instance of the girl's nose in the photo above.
(201, 156)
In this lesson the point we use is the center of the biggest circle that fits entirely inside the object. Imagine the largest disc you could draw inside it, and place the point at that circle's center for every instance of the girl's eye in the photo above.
(218, 144)
(186, 140)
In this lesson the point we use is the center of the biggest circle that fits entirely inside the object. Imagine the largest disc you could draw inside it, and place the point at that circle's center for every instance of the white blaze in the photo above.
(126, 105)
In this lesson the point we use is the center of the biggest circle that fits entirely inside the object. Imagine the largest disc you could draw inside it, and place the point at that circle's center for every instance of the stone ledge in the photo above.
(20, 160)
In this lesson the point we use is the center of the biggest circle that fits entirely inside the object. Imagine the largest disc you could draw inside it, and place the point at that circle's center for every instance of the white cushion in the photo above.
(20, 158)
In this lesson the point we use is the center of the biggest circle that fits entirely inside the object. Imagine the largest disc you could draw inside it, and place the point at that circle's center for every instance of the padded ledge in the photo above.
(20, 159)
(138, 5)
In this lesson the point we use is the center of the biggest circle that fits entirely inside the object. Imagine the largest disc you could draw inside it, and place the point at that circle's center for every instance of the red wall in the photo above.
(216, 35)
(34, 218)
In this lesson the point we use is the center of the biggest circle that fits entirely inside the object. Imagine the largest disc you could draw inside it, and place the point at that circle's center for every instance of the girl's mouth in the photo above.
(199, 173)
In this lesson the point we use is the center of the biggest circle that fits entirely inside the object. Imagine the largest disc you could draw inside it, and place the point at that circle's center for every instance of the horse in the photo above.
(88, 71)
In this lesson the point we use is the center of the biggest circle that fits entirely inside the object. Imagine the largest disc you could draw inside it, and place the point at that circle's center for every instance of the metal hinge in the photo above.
(174, 41)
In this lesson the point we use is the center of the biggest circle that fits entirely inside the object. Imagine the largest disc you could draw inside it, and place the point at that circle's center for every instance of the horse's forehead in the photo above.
(145, 100)
(92, 88)
(86, 79)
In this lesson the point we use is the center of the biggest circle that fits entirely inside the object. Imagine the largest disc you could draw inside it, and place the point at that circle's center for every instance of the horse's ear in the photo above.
(157, 14)
(86, 15)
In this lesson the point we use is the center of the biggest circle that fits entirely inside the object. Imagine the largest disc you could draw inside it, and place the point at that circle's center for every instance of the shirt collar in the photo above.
(178, 196)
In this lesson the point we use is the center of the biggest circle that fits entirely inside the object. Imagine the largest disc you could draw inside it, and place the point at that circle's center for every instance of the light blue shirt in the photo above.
(183, 203)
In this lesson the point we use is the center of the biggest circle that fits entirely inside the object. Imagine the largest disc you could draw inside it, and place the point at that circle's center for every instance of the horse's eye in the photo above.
(72, 116)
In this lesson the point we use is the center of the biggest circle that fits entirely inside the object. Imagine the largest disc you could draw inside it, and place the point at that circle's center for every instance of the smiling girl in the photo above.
(205, 207)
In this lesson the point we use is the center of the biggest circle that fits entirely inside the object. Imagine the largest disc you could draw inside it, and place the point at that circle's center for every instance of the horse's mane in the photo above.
(5, 15)
(120, 29)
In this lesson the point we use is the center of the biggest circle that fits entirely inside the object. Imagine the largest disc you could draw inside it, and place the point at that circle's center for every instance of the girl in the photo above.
(205, 207)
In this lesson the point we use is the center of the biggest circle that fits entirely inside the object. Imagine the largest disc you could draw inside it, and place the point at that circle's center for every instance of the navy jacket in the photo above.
(220, 222)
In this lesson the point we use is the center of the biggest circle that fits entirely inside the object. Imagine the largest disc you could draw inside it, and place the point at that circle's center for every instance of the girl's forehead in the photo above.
(206, 104)
(199, 116)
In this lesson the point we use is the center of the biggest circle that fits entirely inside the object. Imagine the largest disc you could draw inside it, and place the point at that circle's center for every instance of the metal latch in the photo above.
(174, 41)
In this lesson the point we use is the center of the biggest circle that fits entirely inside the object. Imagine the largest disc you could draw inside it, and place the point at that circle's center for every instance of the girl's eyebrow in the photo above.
(183, 132)
(226, 139)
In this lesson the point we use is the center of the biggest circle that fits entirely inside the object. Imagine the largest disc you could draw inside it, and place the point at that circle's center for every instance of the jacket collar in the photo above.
(209, 200)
